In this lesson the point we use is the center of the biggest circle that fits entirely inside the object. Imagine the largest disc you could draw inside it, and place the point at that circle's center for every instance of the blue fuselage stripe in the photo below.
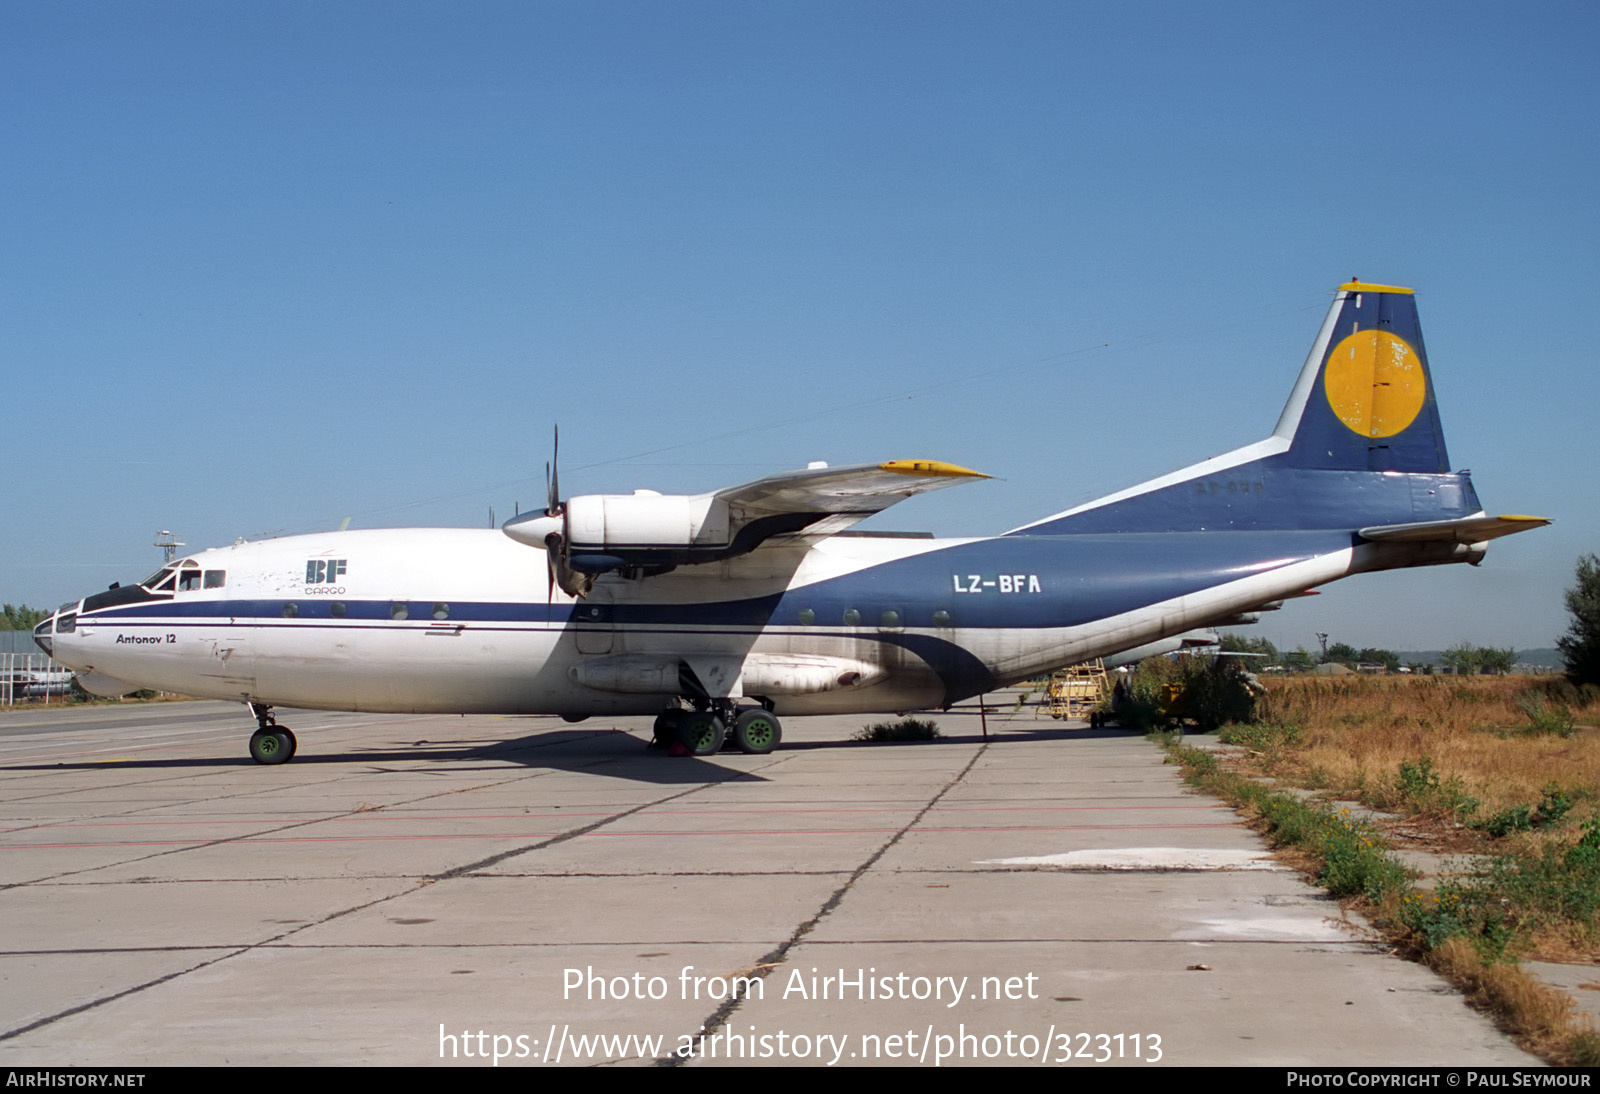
(1022, 582)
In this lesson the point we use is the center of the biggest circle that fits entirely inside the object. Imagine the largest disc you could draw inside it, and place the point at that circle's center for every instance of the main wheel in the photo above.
(702, 733)
(757, 732)
(272, 746)
(666, 728)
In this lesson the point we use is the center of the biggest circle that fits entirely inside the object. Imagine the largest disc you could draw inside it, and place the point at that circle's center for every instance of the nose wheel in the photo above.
(270, 743)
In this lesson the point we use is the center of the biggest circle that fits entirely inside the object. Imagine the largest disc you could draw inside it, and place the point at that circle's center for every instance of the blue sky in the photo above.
(271, 265)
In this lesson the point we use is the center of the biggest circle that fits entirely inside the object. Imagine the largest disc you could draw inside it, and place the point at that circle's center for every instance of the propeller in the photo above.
(572, 583)
(548, 530)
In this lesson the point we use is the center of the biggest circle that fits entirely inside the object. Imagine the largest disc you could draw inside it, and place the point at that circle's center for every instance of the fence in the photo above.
(31, 676)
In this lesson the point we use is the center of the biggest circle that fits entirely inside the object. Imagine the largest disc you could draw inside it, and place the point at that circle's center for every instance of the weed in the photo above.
(1266, 737)
(1515, 897)
(1353, 858)
(1518, 818)
(1544, 718)
(906, 729)
(1421, 788)
(1525, 818)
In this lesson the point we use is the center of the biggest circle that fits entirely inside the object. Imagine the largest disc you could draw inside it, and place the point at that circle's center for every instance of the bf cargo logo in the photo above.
(320, 571)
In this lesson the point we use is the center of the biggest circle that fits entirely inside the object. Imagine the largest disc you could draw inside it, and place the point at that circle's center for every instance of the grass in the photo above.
(1507, 768)
(1473, 731)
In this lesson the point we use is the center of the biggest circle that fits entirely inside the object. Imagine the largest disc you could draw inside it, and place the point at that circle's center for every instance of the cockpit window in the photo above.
(188, 580)
(155, 579)
(161, 582)
(216, 579)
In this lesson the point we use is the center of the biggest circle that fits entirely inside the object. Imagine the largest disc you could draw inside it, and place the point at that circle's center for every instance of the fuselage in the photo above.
(467, 620)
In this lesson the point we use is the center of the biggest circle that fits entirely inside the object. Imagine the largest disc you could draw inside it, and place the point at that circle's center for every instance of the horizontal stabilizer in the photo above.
(1468, 530)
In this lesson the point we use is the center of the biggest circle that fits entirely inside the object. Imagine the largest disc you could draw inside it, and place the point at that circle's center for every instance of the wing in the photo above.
(822, 501)
(594, 533)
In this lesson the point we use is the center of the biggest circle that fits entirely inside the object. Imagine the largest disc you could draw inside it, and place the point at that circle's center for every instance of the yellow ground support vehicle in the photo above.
(1075, 691)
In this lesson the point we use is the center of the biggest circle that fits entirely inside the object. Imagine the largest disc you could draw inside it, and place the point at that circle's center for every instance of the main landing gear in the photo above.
(754, 730)
(271, 743)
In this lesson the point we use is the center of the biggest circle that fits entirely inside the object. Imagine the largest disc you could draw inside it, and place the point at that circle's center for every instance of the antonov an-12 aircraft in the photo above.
(719, 612)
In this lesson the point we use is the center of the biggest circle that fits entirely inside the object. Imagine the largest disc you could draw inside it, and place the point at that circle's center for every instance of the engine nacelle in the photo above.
(645, 519)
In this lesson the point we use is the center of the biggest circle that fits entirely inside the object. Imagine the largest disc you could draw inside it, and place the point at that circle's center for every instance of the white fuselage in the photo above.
(466, 620)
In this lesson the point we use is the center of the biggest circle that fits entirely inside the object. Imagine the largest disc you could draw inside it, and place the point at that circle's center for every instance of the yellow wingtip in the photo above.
(931, 469)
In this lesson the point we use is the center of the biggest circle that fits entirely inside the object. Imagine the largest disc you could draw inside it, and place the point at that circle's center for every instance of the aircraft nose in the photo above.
(63, 621)
(42, 633)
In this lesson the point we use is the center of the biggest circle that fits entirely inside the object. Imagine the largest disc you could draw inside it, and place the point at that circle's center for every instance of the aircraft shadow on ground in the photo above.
(613, 753)
(618, 755)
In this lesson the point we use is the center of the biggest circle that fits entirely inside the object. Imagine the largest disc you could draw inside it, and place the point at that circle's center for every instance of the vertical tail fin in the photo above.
(1359, 444)
(1364, 401)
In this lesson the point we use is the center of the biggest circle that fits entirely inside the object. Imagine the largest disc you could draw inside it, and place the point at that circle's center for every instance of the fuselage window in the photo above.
(851, 617)
(807, 617)
(889, 618)
(216, 579)
(941, 618)
(399, 610)
(290, 610)
(336, 609)
(441, 611)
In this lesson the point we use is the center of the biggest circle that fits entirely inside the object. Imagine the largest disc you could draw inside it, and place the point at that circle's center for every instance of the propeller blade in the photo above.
(555, 474)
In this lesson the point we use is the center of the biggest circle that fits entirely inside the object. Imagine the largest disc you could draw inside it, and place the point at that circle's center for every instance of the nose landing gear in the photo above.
(270, 743)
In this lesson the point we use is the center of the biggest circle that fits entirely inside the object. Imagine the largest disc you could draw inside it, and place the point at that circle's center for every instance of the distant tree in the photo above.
(21, 618)
(1580, 646)
(1461, 658)
(1467, 659)
(1390, 660)
(1496, 660)
(1342, 653)
(1300, 660)
(1239, 643)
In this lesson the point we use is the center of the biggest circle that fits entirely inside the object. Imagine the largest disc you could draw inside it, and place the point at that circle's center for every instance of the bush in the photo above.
(1216, 692)
(906, 729)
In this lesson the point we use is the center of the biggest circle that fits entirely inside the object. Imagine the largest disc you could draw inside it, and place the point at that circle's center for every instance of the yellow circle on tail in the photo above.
(1375, 383)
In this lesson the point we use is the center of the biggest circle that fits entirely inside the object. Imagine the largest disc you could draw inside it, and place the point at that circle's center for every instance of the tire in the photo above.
(272, 746)
(666, 728)
(702, 733)
(757, 732)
